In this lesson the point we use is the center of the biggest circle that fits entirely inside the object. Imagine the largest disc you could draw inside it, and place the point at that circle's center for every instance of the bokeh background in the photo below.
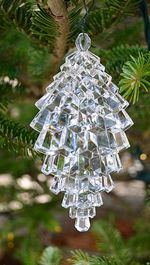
(34, 228)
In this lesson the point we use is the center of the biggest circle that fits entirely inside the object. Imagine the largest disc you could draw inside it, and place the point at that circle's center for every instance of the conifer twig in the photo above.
(59, 13)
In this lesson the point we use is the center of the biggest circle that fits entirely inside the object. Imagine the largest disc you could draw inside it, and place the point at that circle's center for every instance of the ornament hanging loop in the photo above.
(83, 42)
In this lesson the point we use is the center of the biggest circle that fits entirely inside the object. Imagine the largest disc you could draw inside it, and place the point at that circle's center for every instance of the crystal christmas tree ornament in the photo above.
(81, 123)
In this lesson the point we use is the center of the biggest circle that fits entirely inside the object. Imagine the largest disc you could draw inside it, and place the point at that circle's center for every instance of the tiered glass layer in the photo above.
(81, 126)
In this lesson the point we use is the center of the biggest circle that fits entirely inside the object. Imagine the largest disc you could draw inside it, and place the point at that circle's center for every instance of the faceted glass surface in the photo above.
(81, 123)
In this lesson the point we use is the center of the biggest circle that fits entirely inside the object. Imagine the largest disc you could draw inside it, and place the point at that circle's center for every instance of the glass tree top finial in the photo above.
(81, 123)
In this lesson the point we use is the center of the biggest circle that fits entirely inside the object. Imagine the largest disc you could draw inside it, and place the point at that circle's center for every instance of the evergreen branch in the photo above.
(109, 14)
(79, 258)
(15, 137)
(7, 93)
(104, 261)
(135, 77)
(43, 27)
(122, 7)
(140, 251)
(115, 58)
(32, 19)
(105, 232)
(51, 256)
(60, 16)
(82, 258)
(19, 12)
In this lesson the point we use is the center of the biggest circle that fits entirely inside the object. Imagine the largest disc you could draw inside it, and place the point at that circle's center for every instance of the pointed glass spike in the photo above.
(43, 101)
(83, 186)
(64, 67)
(82, 212)
(41, 119)
(55, 186)
(73, 164)
(53, 123)
(82, 224)
(55, 101)
(108, 183)
(43, 142)
(124, 103)
(53, 164)
(75, 101)
(69, 200)
(51, 87)
(63, 118)
(94, 59)
(118, 163)
(89, 66)
(124, 120)
(76, 61)
(67, 104)
(90, 141)
(121, 140)
(55, 142)
(49, 166)
(100, 140)
(67, 161)
(113, 88)
(78, 91)
(85, 200)
(91, 212)
(100, 68)
(60, 163)
(75, 127)
(110, 120)
(98, 123)
(111, 141)
(106, 78)
(112, 163)
(72, 212)
(96, 164)
(47, 143)
(62, 182)
(97, 201)
(69, 58)
(68, 140)
(95, 90)
(78, 212)
(87, 154)
(71, 184)
(83, 163)
(95, 184)
(112, 101)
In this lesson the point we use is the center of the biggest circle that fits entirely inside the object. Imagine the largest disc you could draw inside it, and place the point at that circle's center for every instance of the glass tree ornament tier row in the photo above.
(82, 196)
(81, 123)
(58, 164)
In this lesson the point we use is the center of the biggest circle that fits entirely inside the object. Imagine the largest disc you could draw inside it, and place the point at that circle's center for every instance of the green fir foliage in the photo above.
(135, 77)
(51, 256)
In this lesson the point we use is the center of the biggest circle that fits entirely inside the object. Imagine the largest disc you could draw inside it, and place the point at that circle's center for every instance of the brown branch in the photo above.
(59, 13)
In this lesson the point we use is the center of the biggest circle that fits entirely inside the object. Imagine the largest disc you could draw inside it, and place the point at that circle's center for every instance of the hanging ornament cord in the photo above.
(81, 123)
(87, 11)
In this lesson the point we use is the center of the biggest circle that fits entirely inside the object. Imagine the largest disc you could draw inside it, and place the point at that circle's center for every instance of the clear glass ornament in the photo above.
(81, 123)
